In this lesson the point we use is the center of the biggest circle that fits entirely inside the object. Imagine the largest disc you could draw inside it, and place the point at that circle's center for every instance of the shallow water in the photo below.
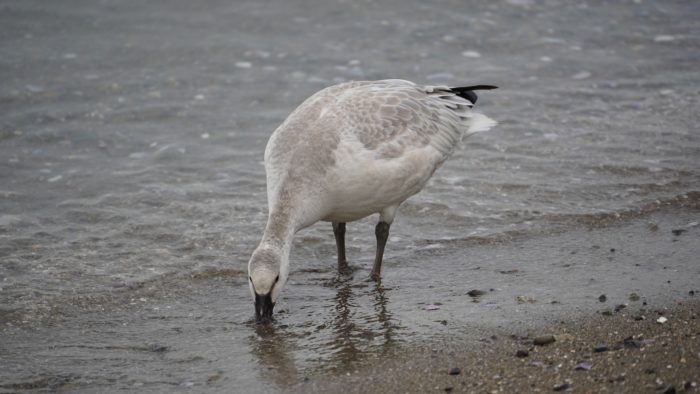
(132, 190)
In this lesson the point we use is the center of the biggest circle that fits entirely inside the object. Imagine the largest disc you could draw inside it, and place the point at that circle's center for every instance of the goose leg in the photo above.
(339, 232)
(382, 233)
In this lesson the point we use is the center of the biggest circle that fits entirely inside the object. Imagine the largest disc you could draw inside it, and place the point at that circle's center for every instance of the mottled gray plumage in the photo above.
(351, 150)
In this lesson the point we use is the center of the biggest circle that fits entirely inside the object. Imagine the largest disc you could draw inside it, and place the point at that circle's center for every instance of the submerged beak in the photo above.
(263, 307)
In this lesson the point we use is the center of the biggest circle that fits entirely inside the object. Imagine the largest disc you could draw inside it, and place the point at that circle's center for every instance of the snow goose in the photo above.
(349, 151)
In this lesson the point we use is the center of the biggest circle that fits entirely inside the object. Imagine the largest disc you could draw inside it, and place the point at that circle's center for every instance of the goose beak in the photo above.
(263, 308)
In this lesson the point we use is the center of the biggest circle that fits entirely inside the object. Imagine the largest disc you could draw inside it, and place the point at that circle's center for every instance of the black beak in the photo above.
(263, 308)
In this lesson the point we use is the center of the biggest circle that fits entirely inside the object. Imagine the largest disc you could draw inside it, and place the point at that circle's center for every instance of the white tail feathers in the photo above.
(480, 122)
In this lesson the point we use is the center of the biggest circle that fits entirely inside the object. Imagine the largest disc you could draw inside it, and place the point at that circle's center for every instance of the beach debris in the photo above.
(620, 307)
(652, 227)
(524, 299)
(669, 390)
(511, 271)
(583, 366)
(543, 340)
(455, 371)
(691, 292)
(431, 307)
(522, 353)
(475, 293)
(600, 348)
(661, 320)
(678, 231)
(212, 378)
(562, 386)
(607, 312)
(602, 298)
(634, 297)
(630, 342)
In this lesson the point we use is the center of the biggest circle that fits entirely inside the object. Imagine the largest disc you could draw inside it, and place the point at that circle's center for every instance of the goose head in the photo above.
(266, 277)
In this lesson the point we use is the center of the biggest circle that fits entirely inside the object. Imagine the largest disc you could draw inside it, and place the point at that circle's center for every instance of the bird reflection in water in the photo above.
(361, 329)
(275, 352)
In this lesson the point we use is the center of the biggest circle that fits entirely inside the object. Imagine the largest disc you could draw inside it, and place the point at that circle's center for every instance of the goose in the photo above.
(349, 151)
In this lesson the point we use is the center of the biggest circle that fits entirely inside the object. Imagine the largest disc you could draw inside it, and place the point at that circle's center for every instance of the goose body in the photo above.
(349, 151)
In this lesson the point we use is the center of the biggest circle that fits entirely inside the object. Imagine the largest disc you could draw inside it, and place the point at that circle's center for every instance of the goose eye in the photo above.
(277, 278)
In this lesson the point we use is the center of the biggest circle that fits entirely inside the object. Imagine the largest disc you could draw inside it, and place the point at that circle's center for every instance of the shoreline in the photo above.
(628, 351)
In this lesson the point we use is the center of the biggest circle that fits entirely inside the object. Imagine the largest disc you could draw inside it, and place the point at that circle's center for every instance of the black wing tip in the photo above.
(476, 87)
(467, 92)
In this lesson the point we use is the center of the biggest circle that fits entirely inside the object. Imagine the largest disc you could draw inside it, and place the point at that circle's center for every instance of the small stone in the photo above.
(634, 297)
(522, 353)
(584, 366)
(475, 293)
(543, 340)
(652, 227)
(561, 386)
(630, 342)
(455, 371)
(691, 292)
(602, 298)
(600, 348)
(213, 377)
(606, 312)
(620, 307)
(661, 320)
(670, 390)
(678, 231)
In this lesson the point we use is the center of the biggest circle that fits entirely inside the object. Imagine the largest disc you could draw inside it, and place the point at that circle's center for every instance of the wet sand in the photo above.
(628, 351)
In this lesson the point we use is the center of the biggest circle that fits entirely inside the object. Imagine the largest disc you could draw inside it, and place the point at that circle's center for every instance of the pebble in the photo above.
(678, 231)
(602, 298)
(561, 386)
(630, 342)
(620, 307)
(455, 371)
(583, 366)
(600, 348)
(543, 340)
(475, 293)
(522, 353)
(634, 297)
(661, 320)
